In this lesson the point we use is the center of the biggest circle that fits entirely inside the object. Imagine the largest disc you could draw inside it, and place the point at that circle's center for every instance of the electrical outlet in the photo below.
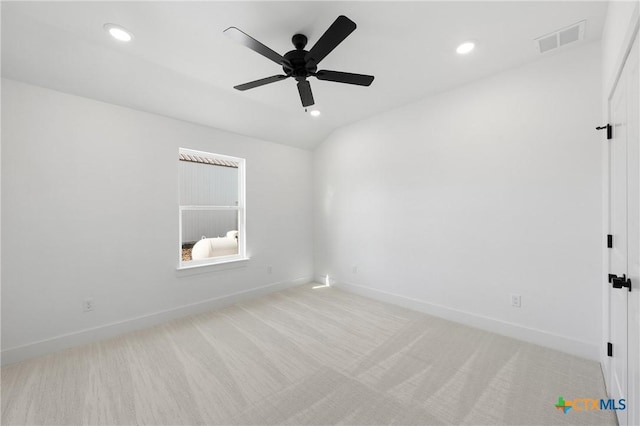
(515, 300)
(87, 305)
(354, 269)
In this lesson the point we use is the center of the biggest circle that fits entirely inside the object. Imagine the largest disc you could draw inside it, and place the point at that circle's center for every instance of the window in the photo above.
(212, 208)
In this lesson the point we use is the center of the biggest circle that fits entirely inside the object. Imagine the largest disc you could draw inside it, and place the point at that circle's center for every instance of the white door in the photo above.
(624, 214)
(632, 74)
(618, 254)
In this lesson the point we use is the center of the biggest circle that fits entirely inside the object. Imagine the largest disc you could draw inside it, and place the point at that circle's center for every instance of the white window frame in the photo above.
(240, 208)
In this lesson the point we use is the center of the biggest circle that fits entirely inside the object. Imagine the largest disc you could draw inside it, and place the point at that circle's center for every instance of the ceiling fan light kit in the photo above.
(300, 63)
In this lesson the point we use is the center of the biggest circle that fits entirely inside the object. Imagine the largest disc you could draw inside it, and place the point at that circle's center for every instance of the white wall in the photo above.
(621, 19)
(89, 209)
(452, 204)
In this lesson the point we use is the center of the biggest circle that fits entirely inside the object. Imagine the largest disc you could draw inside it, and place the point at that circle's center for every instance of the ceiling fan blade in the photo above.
(253, 44)
(336, 33)
(304, 88)
(344, 77)
(261, 82)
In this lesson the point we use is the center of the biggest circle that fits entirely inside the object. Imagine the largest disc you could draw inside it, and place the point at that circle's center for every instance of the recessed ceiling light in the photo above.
(465, 47)
(118, 32)
(315, 113)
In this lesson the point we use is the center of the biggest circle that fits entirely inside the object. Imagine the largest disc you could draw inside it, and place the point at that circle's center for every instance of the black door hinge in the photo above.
(609, 349)
(609, 130)
(609, 241)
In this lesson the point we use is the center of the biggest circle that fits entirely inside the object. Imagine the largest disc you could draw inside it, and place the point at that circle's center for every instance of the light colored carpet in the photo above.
(303, 356)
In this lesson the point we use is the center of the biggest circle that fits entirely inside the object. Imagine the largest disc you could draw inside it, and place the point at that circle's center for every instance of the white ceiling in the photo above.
(181, 65)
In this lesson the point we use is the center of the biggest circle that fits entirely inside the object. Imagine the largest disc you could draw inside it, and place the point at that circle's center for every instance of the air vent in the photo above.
(561, 37)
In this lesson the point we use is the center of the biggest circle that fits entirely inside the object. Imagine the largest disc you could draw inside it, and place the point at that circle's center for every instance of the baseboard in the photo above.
(65, 341)
(516, 331)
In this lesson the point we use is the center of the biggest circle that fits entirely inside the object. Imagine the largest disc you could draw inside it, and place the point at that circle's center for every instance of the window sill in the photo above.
(217, 265)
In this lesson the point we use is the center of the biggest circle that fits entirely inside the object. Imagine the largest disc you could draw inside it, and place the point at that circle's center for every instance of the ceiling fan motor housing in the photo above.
(300, 68)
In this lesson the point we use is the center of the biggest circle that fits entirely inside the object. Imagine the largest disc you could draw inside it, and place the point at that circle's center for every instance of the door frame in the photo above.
(609, 88)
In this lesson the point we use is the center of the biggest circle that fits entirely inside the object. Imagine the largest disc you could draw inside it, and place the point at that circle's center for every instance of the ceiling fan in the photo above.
(300, 63)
